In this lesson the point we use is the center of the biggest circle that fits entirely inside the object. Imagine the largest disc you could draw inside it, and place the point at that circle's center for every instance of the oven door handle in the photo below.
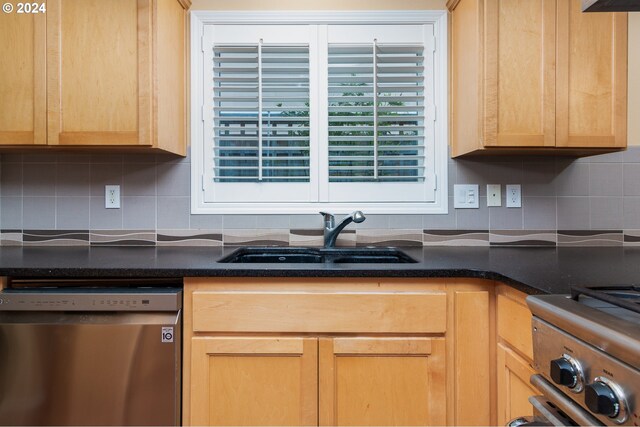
(566, 405)
(527, 422)
(549, 415)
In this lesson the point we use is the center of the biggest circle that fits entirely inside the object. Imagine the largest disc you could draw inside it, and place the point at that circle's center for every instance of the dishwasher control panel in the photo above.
(91, 299)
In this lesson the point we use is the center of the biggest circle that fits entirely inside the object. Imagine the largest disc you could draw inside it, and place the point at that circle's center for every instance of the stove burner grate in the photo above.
(627, 297)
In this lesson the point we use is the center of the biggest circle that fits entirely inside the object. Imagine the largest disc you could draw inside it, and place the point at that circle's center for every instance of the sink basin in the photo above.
(366, 256)
(287, 255)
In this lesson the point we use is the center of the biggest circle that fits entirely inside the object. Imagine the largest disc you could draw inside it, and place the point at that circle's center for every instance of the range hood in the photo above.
(611, 5)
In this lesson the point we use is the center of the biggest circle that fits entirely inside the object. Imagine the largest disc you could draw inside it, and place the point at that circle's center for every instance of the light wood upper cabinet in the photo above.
(99, 72)
(591, 78)
(537, 76)
(114, 72)
(22, 79)
(520, 66)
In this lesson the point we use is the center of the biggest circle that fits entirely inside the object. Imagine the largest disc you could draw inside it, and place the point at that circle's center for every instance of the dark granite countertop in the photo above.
(533, 270)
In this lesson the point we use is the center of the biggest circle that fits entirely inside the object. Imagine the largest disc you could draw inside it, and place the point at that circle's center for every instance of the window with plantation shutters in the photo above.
(302, 117)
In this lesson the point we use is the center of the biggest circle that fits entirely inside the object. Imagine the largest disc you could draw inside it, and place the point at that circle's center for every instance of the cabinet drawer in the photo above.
(514, 325)
(326, 312)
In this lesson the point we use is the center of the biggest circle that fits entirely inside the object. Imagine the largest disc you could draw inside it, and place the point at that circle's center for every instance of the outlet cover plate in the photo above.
(494, 198)
(112, 197)
(466, 196)
(514, 196)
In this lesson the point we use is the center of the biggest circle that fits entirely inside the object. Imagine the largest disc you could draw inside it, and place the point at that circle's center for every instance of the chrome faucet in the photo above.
(331, 230)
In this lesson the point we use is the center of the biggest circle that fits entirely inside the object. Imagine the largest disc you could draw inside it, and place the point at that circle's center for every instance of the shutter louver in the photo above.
(261, 113)
(376, 119)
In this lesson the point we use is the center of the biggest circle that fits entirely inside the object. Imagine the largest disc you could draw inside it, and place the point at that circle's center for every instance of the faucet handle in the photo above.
(327, 216)
(329, 220)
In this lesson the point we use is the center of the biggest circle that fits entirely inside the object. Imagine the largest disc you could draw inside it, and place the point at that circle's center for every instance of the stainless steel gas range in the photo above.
(587, 355)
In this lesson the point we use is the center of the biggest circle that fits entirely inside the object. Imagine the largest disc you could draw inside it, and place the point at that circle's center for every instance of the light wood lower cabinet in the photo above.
(514, 388)
(346, 352)
(382, 381)
(306, 381)
(254, 381)
(514, 355)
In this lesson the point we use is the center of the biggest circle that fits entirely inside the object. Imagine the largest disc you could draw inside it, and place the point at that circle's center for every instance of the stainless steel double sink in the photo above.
(295, 255)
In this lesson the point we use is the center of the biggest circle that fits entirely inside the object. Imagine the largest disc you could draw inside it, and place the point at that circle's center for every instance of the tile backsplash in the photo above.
(58, 198)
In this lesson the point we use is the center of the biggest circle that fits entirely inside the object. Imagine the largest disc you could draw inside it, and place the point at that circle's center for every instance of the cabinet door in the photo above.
(22, 79)
(592, 77)
(254, 381)
(514, 321)
(382, 381)
(519, 100)
(514, 388)
(99, 72)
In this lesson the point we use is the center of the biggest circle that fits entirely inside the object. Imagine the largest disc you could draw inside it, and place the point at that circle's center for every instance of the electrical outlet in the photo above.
(112, 196)
(514, 196)
(494, 196)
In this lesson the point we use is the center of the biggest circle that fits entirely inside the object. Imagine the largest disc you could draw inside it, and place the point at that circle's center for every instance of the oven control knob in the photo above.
(601, 399)
(563, 372)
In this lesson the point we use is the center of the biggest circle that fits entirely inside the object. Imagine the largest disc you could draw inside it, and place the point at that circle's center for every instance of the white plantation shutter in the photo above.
(268, 81)
(376, 113)
(260, 127)
(380, 115)
(285, 113)
(236, 91)
(296, 118)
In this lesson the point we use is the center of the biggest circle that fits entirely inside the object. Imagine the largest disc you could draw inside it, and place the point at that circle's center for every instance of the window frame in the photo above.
(202, 18)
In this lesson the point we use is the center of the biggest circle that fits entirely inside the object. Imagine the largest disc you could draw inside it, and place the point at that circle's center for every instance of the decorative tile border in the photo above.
(123, 238)
(55, 238)
(372, 237)
(631, 238)
(455, 238)
(590, 238)
(256, 237)
(346, 238)
(314, 237)
(306, 237)
(522, 238)
(189, 238)
(11, 238)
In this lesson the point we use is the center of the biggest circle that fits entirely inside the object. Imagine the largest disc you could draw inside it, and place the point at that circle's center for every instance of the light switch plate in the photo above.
(494, 198)
(466, 196)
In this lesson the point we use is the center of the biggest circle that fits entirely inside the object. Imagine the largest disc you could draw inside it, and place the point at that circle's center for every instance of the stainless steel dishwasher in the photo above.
(90, 356)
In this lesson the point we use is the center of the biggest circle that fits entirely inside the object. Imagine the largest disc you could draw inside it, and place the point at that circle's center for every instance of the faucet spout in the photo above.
(331, 231)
